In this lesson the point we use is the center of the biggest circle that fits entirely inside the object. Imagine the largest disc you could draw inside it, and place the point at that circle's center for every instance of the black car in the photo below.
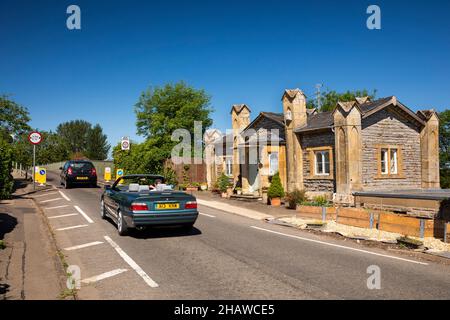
(78, 172)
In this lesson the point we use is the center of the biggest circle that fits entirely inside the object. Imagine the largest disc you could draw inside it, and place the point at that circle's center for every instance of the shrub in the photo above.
(223, 182)
(276, 189)
(6, 180)
(320, 201)
(295, 197)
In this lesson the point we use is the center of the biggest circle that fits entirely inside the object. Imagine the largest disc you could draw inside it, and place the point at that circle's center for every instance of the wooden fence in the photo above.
(381, 220)
(191, 172)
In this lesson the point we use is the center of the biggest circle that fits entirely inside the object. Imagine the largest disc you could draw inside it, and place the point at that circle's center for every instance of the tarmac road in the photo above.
(225, 257)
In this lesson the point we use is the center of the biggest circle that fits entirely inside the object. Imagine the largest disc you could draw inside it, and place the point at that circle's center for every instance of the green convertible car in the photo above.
(140, 200)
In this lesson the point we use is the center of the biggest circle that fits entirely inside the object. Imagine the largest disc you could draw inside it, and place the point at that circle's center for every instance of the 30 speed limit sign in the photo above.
(35, 137)
(125, 144)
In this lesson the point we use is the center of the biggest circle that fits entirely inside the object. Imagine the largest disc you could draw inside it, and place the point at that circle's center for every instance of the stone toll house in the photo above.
(361, 148)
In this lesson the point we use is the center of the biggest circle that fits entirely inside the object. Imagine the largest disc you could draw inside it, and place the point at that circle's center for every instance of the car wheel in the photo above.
(103, 210)
(122, 227)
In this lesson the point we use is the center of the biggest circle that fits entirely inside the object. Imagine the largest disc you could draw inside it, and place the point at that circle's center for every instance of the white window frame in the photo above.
(393, 151)
(229, 166)
(323, 162)
(384, 158)
(272, 171)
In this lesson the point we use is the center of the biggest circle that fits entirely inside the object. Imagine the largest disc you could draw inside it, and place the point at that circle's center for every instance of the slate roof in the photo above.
(325, 120)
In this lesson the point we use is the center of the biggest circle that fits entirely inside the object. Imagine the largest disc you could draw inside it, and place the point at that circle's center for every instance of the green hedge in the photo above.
(6, 180)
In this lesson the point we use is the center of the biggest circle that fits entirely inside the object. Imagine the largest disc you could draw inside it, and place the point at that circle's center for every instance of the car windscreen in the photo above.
(151, 182)
(81, 166)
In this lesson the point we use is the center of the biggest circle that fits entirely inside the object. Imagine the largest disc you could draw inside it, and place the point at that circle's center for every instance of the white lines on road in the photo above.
(74, 227)
(50, 200)
(57, 207)
(64, 196)
(45, 194)
(339, 246)
(205, 214)
(131, 263)
(105, 275)
(82, 246)
(84, 214)
(63, 216)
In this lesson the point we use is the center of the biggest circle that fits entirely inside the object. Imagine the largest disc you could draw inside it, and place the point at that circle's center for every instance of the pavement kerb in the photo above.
(252, 214)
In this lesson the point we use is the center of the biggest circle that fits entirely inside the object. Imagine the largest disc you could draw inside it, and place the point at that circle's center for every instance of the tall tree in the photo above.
(14, 118)
(75, 135)
(160, 111)
(329, 98)
(444, 147)
(97, 146)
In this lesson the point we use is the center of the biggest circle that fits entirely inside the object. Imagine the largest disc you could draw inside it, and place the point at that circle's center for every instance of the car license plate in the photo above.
(167, 206)
(82, 178)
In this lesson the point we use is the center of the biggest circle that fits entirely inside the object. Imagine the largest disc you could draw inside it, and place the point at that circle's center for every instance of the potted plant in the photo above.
(204, 186)
(192, 186)
(294, 198)
(276, 191)
(223, 184)
(238, 190)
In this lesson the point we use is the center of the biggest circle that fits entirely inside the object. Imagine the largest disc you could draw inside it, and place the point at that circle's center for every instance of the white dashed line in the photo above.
(51, 200)
(84, 214)
(86, 245)
(64, 196)
(45, 195)
(132, 264)
(339, 246)
(205, 214)
(63, 216)
(74, 227)
(58, 207)
(105, 275)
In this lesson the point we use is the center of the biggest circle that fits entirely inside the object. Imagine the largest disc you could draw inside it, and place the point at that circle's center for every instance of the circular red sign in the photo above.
(35, 137)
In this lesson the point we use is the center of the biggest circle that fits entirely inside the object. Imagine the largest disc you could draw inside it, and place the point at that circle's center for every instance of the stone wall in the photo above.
(314, 140)
(386, 127)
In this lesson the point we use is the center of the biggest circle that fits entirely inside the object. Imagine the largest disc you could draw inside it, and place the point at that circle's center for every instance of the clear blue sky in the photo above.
(238, 51)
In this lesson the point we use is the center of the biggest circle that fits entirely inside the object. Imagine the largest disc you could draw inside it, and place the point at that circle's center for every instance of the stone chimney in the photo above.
(429, 148)
(295, 115)
(240, 119)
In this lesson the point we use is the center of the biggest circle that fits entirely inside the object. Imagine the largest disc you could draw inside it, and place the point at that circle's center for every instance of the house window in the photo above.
(273, 163)
(322, 159)
(229, 167)
(390, 161)
(384, 161)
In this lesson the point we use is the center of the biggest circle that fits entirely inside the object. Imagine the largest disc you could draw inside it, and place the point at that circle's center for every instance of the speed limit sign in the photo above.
(125, 144)
(35, 137)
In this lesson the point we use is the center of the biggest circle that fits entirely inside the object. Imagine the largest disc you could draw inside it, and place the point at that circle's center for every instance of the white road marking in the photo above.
(105, 275)
(64, 196)
(84, 214)
(58, 207)
(81, 246)
(132, 264)
(45, 195)
(339, 246)
(63, 216)
(51, 200)
(205, 214)
(74, 227)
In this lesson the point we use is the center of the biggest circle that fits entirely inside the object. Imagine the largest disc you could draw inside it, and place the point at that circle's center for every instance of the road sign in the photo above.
(35, 137)
(125, 144)
(41, 176)
(107, 174)
(119, 173)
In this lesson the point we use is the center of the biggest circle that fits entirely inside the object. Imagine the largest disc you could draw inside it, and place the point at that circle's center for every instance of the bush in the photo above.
(6, 180)
(295, 197)
(276, 188)
(223, 182)
(318, 201)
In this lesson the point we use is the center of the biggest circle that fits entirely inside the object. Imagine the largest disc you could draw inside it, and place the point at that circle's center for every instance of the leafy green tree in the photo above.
(13, 117)
(276, 188)
(74, 134)
(162, 110)
(444, 147)
(329, 98)
(97, 146)
(6, 158)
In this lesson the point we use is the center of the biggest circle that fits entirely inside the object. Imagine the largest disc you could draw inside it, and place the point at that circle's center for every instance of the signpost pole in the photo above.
(34, 167)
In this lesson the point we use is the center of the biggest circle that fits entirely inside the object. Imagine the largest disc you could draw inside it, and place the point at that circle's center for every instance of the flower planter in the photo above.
(192, 189)
(275, 202)
(239, 192)
(203, 187)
